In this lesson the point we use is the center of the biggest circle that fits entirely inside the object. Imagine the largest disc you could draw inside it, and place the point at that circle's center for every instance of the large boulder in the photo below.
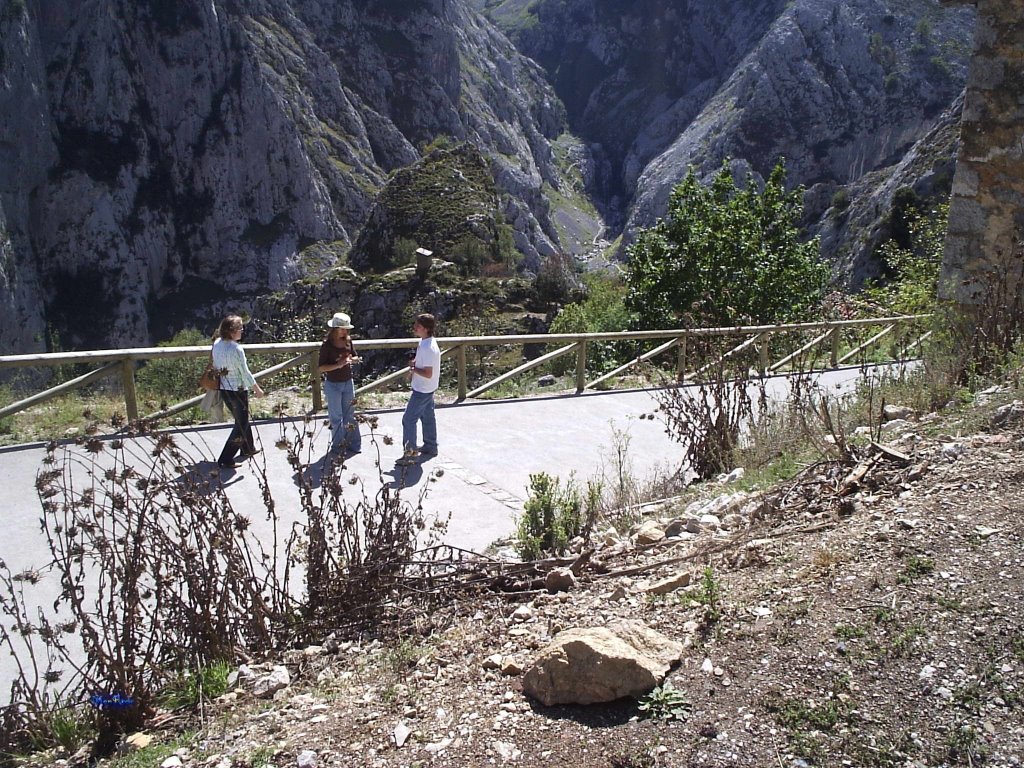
(598, 664)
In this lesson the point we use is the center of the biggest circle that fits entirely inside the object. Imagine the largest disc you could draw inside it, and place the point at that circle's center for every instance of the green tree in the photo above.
(725, 256)
(911, 285)
(602, 311)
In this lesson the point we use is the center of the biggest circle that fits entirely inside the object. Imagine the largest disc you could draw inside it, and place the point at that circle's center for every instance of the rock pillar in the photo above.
(985, 241)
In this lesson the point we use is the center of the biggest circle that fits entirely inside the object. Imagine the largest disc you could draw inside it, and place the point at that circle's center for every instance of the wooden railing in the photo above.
(121, 363)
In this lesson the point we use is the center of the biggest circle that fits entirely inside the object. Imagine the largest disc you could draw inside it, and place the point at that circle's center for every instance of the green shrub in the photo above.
(194, 688)
(173, 380)
(665, 703)
(602, 311)
(552, 516)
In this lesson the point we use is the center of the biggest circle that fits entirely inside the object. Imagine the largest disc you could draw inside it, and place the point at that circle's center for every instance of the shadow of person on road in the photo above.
(313, 474)
(404, 475)
(205, 478)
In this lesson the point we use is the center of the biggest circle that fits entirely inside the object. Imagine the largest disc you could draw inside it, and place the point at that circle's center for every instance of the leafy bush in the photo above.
(602, 311)
(173, 380)
(552, 516)
(191, 689)
(725, 256)
(664, 703)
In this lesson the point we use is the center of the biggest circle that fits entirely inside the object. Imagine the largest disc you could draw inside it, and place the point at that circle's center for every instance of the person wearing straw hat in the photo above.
(337, 355)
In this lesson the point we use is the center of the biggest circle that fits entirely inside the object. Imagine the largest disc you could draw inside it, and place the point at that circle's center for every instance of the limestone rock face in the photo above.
(600, 664)
(983, 247)
(161, 163)
(842, 89)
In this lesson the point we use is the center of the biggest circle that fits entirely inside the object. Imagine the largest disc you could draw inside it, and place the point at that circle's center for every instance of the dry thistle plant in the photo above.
(707, 412)
(159, 574)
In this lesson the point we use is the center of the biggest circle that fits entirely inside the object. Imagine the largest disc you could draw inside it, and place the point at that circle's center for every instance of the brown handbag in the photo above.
(210, 379)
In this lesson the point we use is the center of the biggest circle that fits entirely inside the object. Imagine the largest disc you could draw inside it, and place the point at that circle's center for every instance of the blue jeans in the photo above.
(341, 412)
(240, 439)
(420, 408)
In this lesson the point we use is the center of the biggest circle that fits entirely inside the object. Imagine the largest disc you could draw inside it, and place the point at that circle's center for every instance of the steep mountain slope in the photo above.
(163, 161)
(843, 90)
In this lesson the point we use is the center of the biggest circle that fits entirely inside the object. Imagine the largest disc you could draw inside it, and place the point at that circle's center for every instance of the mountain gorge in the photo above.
(843, 91)
(161, 163)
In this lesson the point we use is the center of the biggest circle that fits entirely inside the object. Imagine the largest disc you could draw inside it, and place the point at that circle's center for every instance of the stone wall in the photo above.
(986, 214)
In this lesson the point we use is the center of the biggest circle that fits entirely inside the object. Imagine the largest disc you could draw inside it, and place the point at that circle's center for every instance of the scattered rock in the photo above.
(511, 667)
(135, 742)
(401, 733)
(601, 664)
(522, 614)
(897, 412)
(278, 679)
(671, 584)
(306, 759)
(559, 580)
(650, 532)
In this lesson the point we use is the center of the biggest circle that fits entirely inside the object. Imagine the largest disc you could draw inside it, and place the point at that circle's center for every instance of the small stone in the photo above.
(671, 584)
(708, 667)
(506, 750)
(401, 733)
(511, 667)
(493, 661)
(135, 742)
(438, 746)
(306, 759)
(559, 580)
(172, 762)
(547, 381)
(522, 613)
(650, 532)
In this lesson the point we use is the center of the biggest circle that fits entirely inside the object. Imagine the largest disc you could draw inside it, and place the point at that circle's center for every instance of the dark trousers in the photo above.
(240, 438)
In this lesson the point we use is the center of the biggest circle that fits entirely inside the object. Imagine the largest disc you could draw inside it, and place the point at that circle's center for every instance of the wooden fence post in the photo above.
(581, 366)
(460, 366)
(131, 400)
(314, 381)
(681, 359)
(834, 355)
(762, 355)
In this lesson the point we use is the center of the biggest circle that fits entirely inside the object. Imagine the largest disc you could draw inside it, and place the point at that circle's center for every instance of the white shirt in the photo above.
(229, 355)
(428, 354)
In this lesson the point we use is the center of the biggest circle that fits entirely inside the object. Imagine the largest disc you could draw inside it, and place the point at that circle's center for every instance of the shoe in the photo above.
(408, 458)
(428, 452)
(251, 454)
(228, 464)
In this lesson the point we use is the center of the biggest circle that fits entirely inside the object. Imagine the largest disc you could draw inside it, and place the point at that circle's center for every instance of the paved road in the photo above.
(488, 450)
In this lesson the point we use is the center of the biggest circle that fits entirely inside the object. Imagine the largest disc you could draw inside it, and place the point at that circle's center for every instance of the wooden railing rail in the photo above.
(122, 362)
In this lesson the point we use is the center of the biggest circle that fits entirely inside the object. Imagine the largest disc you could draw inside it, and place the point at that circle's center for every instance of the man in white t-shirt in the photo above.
(425, 374)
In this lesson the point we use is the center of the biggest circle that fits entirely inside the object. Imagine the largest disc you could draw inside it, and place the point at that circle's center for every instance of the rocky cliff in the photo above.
(160, 161)
(843, 89)
(163, 162)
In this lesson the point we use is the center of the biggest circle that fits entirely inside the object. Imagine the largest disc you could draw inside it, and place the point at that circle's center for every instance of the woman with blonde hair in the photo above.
(337, 354)
(235, 382)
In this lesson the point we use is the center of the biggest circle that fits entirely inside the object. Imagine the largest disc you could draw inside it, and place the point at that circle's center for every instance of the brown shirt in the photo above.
(330, 354)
